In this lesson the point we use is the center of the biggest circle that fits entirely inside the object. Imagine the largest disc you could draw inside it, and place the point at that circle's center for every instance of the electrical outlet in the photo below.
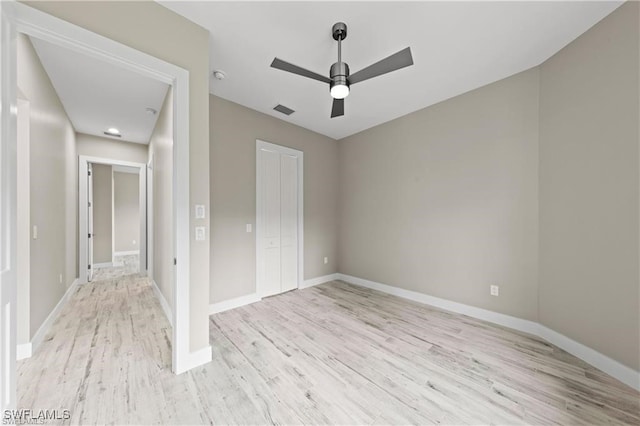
(326, 260)
(249, 227)
(134, 242)
(200, 233)
(495, 290)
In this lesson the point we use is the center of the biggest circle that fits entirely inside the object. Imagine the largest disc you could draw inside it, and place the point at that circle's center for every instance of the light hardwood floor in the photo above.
(331, 354)
(122, 265)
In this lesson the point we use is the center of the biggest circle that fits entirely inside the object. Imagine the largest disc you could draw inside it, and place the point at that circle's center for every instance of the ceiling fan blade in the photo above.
(394, 62)
(286, 66)
(338, 108)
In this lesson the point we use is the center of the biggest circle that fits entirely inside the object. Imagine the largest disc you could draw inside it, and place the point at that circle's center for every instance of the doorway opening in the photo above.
(17, 18)
(114, 208)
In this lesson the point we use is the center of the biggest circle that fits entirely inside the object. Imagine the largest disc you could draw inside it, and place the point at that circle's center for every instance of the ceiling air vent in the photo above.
(283, 109)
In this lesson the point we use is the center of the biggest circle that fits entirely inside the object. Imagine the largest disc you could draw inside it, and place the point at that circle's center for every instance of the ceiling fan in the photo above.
(339, 78)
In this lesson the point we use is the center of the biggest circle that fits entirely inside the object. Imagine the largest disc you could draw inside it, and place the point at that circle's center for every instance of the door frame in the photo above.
(21, 18)
(300, 155)
(83, 229)
(8, 211)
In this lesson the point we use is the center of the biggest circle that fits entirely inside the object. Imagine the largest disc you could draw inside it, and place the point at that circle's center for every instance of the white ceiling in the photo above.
(98, 95)
(456, 46)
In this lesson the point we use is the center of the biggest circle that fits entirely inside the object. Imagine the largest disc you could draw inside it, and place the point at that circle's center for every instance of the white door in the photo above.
(8, 223)
(89, 222)
(279, 218)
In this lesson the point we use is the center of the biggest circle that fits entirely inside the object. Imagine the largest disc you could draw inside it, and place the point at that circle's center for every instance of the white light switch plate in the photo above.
(200, 233)
(249, 227)
(199, 211)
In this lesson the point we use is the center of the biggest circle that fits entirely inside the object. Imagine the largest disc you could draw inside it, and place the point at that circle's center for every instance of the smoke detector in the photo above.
(219, 75)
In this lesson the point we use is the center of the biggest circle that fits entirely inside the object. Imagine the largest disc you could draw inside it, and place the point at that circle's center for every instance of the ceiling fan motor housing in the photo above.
(339, 74)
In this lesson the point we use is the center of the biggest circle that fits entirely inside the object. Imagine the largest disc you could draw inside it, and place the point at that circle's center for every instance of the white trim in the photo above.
(448, 305)
(103, 265)
(38, 24)
(24, 351)
(39, 336)
(197, 358)
(8, 204)
(318, 280)
(260, 144)
(163, 302)
(125, 253)
(600, 361)
(226, 305)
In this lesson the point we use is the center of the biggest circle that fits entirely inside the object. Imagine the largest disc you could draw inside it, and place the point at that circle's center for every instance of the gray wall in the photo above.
(53, 188)
(126, 211)
(589, 185)
(444, 201)
(96, 146)
(161, 153)
(234, 130)
(102, 213)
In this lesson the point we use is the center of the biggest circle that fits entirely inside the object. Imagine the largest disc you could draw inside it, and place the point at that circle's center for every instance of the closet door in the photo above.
(270, 223)
(288, 222)
(278, 218)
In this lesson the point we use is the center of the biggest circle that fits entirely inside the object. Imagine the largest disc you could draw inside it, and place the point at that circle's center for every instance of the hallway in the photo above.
(107, 358)
(122, 266)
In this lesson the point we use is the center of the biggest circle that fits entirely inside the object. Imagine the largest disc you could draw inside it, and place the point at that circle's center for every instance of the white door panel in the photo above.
(278, 218)
(289, 221)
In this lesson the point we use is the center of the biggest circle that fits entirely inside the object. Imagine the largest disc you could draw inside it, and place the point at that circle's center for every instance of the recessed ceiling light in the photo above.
(219, 74)
(112, 131)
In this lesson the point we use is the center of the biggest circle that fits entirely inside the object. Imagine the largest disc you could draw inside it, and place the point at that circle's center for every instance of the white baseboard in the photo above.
(103, 265)
(602, 362)
(237, 302)
(23, 351)
(195, 359)
(125, 253)
(527, 326)
(318, 281)
(599, 360)
(215, 308)
(163, 302)
(39, 336)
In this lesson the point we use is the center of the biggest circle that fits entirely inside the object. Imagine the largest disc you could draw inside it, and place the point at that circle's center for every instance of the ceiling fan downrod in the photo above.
(339, 71)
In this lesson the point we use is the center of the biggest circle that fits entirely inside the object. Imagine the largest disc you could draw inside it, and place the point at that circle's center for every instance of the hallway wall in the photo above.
(126, 212)
(96, 146)
(53, 196)
(161, 156)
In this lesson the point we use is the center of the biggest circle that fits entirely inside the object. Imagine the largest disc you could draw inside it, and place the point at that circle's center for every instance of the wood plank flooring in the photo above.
(331, 354)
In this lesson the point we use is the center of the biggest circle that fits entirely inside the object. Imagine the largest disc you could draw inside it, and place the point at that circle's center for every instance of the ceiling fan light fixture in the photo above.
(339, 91)
(339, 86)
